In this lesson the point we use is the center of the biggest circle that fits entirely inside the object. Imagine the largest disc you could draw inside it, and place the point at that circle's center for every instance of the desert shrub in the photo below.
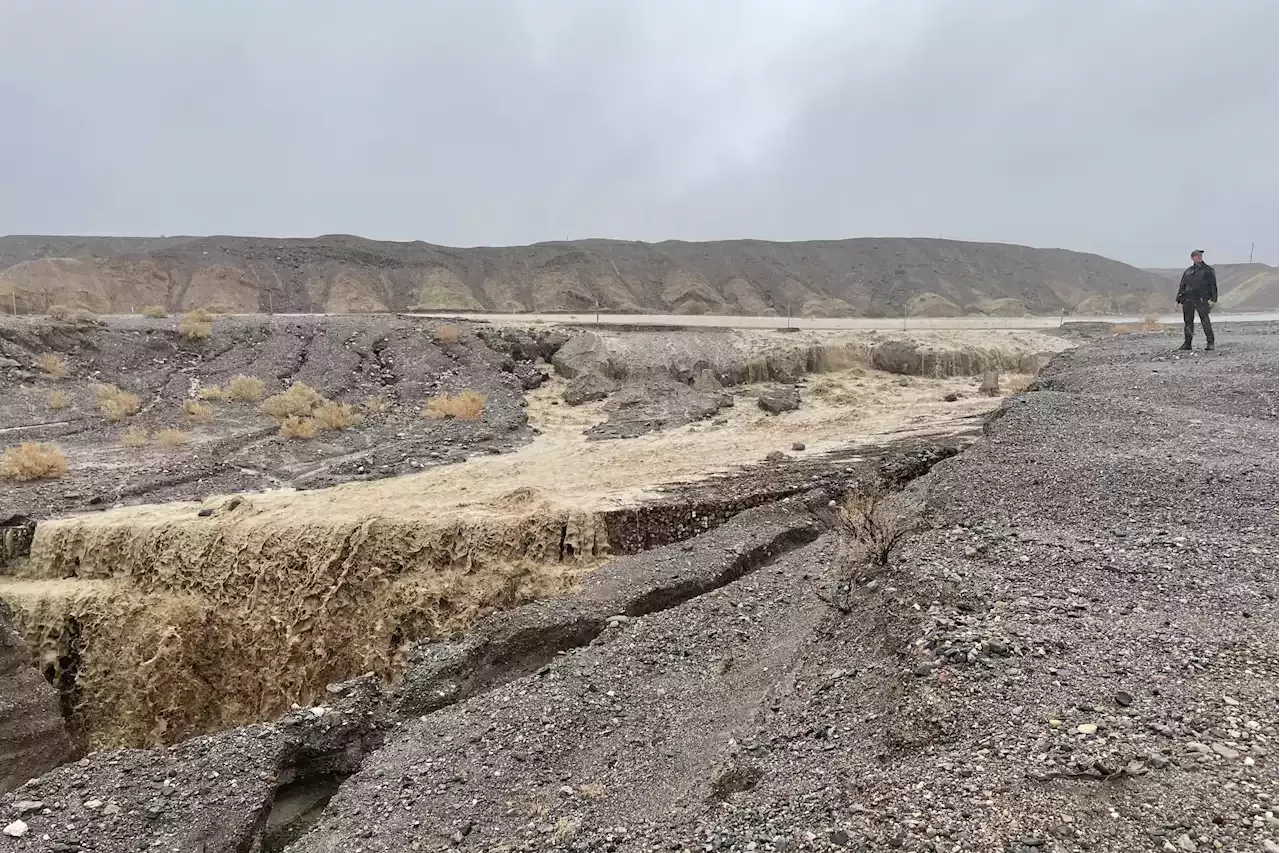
(447, 334)
(155, 312)
(116, 403)
(171, 438)
(376, 405)
(59, 400)
(245, 388)
(1151, 323)
(467, 406)
(330, 415)
(33, 461)
(201, 413)
(83, 316)
(192, 328)
(877, 523)
(199, 315)
(296, 427)
(134, 437)
(212, 392)
(52, 365)
(60, 312)
(299, 400)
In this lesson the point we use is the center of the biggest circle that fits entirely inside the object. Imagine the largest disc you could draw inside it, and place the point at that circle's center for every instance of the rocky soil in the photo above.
(873, 277)
(1076, 652)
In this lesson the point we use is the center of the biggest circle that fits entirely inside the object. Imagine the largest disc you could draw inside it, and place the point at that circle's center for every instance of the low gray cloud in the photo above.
(1132, 128)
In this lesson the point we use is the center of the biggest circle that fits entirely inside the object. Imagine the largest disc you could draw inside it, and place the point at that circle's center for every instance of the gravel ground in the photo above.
(1078, 654)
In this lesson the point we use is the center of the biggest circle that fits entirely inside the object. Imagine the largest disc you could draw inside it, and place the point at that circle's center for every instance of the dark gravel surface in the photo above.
(1079, 654)
(349, 359)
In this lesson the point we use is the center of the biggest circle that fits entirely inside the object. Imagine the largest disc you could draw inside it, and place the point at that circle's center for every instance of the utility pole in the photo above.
(1251, 253)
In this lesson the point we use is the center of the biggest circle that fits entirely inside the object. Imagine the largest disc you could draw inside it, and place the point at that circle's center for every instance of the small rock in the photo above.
(1225, 751)
(17, 829)
(779, 400)
(777, 456)
(24, 806)
(952, 397)
(1185, 843)
(1123, 699)
(1087, 728)
(797, 446)
(93, 804)
(839, 837)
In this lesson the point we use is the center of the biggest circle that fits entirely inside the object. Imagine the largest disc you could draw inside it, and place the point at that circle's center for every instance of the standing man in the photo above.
(1197, 294)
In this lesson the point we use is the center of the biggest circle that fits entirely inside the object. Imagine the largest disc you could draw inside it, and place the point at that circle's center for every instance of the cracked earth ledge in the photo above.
(1071, 656)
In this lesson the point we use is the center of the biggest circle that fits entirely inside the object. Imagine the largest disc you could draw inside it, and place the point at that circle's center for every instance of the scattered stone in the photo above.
(1123, 699)
(776, 456)
(951, 397)
(17, 829)
(779, 400)
(797, 446)
(1087, 728)
(588, 387)
(1225, 751)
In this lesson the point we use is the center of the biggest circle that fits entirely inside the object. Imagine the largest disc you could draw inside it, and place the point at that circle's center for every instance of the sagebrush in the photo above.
(201, 413)
(155, 312)
(298, 401)
(33, 461)
(116, 403)
(335, 416)
(212, 392)
(171, 438)
(296, 427)
(467, 406)
(376, 405)
(196, 325)
(134, 437)
(447, 334)
(59, 400)
(248, 388)
(877, 520)
(52, 365)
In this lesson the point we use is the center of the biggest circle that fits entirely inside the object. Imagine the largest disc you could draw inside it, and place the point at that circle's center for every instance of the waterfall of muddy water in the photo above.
(159, 623)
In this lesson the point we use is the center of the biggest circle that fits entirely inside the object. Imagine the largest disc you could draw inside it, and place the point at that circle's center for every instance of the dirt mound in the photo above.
(874, 277)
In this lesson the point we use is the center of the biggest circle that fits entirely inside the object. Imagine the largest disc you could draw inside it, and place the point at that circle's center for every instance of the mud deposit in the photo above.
(163, 620)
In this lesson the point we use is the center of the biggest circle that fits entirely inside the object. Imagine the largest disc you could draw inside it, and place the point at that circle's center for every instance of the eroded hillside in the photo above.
(344, 274)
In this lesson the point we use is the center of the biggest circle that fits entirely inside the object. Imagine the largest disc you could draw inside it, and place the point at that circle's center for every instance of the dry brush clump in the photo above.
(171, 438)
(196, 325)
(335, 416)
(134, 437)
(59, 400)
(247, 388)
(116, 403)
(298, 428)
(447, 334)
(876, 520)
(375, 405)
(212, 392)
(33, 461)
(201, 413)
(52, 365)
(299, 400)
(154, 312)
(467, 406)
(60, 312)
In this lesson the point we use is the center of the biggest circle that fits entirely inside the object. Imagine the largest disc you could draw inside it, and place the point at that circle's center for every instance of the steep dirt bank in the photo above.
(339, 274)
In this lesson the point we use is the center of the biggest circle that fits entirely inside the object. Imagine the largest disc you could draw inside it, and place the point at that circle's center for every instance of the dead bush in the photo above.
(199, 315)
(52, 365)
(467, 406)
(33, 461)
(194, 330)
(375, 405)
(335, 416)
(447, 334)
(134, 437)
(296, 427)
(155, 312)
(212, 392)
(85, 317)
(1151, 323)
(299, 400)
(248, 388)
(60, 312)
(201, 413)
(877, 520)
(116, 403)
(171, 438)
(59, 400)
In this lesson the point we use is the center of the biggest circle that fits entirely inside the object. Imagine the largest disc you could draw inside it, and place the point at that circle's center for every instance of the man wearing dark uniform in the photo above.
(1197, 294)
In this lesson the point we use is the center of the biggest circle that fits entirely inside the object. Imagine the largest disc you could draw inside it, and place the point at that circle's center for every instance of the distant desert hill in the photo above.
(1241, 287)
(343, 274)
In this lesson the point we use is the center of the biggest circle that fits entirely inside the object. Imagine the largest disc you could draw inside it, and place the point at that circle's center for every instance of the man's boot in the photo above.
(1186, 345)
(1208, 347)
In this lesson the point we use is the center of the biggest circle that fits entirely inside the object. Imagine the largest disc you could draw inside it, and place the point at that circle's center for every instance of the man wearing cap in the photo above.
(1197, 294)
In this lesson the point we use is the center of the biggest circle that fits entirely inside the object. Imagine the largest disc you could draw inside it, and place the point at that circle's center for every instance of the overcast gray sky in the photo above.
(1132, 128)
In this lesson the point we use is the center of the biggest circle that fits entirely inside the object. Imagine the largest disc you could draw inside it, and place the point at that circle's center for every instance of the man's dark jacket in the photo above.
(1198, 282)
